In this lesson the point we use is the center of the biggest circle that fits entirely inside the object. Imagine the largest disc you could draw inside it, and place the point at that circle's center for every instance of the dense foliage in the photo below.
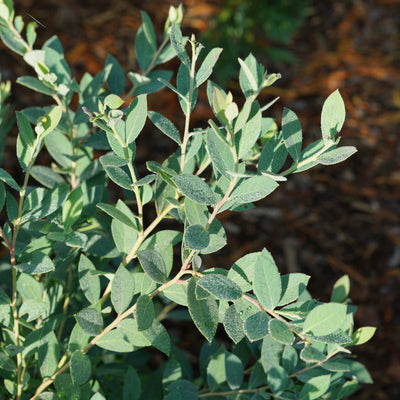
(88, 285)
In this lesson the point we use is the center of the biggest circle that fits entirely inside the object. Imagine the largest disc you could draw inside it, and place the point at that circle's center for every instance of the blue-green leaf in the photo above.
(332, 116)
(292, 134)
(267, 281)
(165, 126)
(153, 264)
(220, 286)
(196, 237)
(122, 289)
(144, 312)
(80, 368)
(253, 189)
(90, 320)
(195, 188)
(207, 66)
(136, 115)
(337, 155)
(203, 312)
(315, 387)
(256, 326)
(177, 42)
(325, 319)
(89, 283)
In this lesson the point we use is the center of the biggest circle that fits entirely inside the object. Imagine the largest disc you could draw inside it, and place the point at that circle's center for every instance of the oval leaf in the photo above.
(122, 289)
(196, 237)
(220, 286)
(325, 319)
(267, 281)
(195, 188)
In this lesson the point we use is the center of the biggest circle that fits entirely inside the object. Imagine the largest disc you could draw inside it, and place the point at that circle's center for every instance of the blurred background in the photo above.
(327, 222)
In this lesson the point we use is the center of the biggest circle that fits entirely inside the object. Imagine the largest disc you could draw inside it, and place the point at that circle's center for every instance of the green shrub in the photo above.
(88, 285)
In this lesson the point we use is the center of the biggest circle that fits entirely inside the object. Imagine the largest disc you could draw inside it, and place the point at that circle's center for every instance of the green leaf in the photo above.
(80, 368)
(332, 116)
(165, 126)
(46, 176)
(219, 151)
(177, 43)
(196, 237)
(234, 371)
(256, 326)
(48, 354)
(293, 285)
(117, 214)
(337, 155)
(89, 283)
(136, 115)
(116, 77)
(233, 324)
(267, 281)
(115, 341)
(216, 371)
(253, 189)
(182, 390)
(113, 101)
(29, 288)
(281, 332)
(248, 77)
(39, 264)
(11, 207)
(145, 43)
(150, 83)
(277, 379)
(315, 387)
(341, 289)
(311, 354)
(289, 358)
(72, 208)
(273, 155)
(362, 335)
(144, 312)
(50, 121)
(35, 84)
(2, 195)
(172, 372)
(325, 319)
(9, 180)
(271, 353)
(195, 188)
(250, 132)
(132, 385)
(207, 66)
(220, 286)
(12, 41)
(176, 293)
(153, 264)
(90, 320)
(5, 310)
(337, 337)
(78, 339)
(204, 313)
(65, 389)
(292, 134)
(7, 364)
(119, 176)
(34, 308)
(122, 289)
(359, 371)
(158, 337)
